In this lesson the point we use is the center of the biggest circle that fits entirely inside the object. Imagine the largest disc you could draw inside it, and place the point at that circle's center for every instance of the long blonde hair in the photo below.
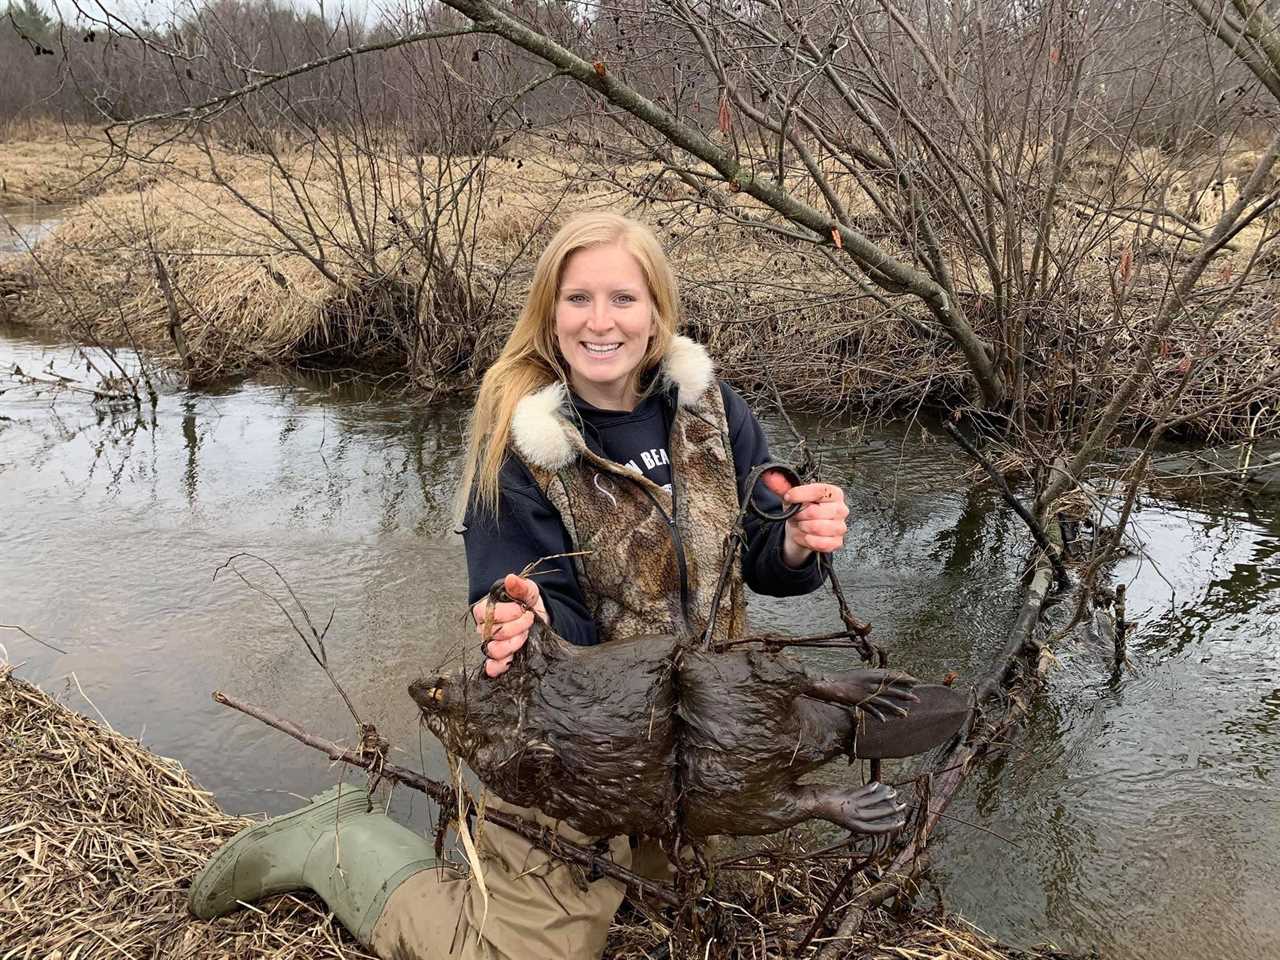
(531, 359)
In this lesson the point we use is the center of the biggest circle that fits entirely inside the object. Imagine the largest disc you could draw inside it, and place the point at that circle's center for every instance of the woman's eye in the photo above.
(625, 298)
(577, 298)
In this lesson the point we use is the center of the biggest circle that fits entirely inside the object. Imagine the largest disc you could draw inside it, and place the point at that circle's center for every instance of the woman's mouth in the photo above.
(601, 349)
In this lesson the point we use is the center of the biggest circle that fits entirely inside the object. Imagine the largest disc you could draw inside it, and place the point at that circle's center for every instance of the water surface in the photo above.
(1139, 814)
(22, 225)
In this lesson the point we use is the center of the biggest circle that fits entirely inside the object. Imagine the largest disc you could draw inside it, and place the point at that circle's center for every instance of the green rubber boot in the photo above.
(351, 858)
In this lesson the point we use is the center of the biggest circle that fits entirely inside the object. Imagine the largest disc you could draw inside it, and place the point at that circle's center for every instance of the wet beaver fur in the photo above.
(643, 735)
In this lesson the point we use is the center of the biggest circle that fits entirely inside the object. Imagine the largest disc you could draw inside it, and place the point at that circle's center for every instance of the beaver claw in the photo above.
(878, 692)
(874, 808)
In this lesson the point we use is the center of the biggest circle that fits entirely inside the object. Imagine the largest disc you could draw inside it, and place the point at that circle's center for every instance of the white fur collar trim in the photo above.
(539, 431)
(687, 365)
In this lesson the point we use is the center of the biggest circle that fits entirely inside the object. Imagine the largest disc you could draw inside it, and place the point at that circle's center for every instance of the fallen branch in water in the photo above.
(542, 837)
(31, 636)
(1012, 683)
(1037, 531)
(56, 381)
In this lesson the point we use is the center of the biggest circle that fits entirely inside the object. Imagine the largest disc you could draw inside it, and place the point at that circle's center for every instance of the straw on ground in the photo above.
(100, 838)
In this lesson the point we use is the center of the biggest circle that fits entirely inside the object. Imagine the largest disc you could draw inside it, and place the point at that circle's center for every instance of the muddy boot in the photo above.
(352, 858)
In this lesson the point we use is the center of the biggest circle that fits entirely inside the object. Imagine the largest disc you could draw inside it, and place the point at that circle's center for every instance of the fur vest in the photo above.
(651, 558)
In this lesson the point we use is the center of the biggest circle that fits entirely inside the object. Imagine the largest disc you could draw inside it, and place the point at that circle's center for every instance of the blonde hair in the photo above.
(531, 359)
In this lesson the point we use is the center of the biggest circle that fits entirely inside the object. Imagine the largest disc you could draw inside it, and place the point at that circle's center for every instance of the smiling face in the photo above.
(604, 319)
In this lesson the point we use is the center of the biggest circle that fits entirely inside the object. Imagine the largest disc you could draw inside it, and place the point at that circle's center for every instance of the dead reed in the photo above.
(99, 838)
(286, 259)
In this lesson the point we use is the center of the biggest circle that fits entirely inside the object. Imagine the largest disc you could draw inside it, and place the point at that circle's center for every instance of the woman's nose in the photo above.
(600, 319)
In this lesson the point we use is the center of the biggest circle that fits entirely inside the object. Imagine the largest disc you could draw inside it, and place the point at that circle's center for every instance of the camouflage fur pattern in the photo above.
(631, 573)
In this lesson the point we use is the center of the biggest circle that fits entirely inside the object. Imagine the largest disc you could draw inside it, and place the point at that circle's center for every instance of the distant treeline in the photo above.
(99, 68)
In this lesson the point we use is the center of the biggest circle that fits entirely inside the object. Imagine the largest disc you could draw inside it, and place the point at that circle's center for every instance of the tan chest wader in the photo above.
(655, 557)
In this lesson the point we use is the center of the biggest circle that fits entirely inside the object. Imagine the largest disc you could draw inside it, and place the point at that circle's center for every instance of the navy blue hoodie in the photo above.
(527, 526)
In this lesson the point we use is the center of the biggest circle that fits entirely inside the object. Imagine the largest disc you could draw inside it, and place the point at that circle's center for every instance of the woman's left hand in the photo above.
(819, 526)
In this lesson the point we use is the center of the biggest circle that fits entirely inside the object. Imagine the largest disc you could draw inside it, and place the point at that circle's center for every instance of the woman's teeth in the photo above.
(601, 349)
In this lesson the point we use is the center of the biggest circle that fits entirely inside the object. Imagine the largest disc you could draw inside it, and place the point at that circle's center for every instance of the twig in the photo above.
(32, 636)
(1061, 578)
(214, 105)
(806, 465)
(318, 653)
(836, 893)
(90, 702)
(66, 383)
(531, 568)
(839, 638)
(176, 333)
(546, 839)
(867, 901)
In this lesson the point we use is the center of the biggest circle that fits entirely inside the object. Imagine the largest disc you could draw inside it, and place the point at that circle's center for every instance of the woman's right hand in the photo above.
(511, 622)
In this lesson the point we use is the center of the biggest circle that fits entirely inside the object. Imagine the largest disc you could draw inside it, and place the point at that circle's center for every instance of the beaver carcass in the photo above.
(641, 735)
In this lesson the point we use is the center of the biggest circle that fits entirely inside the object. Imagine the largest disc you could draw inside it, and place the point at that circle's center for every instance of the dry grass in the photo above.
(99, 841)
(255, 302)
(330, 265)
(310, 271)
(332, 269)
(100, 838)
(49, 163)
(922, 936)
(38, 167)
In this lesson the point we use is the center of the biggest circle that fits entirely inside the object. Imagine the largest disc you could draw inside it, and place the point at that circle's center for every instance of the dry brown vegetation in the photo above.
(100, 841)
(1057, 217)
(46, 162)
(101, 837)
(313, 253)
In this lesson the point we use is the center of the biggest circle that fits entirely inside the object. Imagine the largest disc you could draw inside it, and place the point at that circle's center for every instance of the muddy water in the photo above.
(1140, 814)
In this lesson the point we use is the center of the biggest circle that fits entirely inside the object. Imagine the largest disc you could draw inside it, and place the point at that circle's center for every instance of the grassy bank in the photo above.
(42, 161)
(100, 841)
(101, 837)
(218, 261)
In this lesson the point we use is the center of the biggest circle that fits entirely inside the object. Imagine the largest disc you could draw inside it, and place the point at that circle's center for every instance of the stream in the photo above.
(23, 225)
(1139, 814)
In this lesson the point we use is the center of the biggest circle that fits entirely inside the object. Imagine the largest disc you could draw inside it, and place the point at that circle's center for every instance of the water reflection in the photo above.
(1137, 813)
(114, 523)
(191, 438)
(23, 225)
(1145, 810)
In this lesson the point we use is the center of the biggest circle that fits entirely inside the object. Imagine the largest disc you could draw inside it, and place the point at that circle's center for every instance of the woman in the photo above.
(598, 432)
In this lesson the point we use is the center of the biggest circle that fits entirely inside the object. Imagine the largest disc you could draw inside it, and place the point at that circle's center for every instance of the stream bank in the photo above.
(115, 847)
(223, 262)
